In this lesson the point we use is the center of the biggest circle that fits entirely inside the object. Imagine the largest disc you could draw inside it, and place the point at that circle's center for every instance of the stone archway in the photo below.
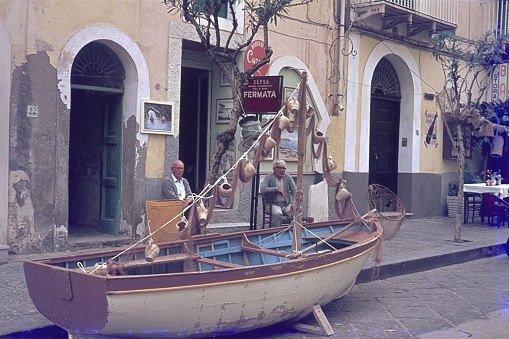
(136, 88)
(290, 61)
(357, 117)
(408, 74)
(95, 135)
(384, 126)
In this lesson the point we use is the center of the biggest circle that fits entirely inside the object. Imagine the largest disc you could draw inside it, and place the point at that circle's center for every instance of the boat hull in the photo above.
(196, 303)
(238, 306)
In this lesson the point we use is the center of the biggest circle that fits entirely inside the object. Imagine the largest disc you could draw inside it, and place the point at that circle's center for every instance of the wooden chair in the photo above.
(502, 211)
(267, 211)
(495, 209)
(472, 204)
(159, 213)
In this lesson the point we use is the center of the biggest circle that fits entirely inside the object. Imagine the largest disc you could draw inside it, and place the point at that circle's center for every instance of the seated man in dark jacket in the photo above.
(278, 190)
(177, 187)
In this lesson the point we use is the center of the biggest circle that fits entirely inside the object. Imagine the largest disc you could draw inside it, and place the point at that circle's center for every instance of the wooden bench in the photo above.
(158, 260)
(217, 263)
(263, 251)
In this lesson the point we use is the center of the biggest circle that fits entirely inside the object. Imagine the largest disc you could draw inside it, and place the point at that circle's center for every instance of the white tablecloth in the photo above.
(501, 190)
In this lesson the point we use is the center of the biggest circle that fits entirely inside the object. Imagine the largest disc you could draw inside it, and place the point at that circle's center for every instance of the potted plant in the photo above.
(452, 199)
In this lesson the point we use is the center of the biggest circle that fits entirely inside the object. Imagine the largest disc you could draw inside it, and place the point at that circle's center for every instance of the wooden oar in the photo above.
(299, 253)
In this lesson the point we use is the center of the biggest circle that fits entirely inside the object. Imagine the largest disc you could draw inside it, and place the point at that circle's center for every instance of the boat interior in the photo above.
(216, 251)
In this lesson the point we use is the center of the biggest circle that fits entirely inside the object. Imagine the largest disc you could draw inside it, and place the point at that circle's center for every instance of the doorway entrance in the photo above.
(384, 126)
(383, 141)
(95, 141)
(194, 122)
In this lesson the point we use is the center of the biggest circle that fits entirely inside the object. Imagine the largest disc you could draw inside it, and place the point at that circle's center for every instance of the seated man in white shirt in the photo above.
(177, 187)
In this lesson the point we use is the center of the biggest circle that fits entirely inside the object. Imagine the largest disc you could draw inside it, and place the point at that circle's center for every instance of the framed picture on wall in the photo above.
(224, 80)
(289, 146)
(448, 151)
(157, 117)
(223, 110)
(287, 93)
(270, 156)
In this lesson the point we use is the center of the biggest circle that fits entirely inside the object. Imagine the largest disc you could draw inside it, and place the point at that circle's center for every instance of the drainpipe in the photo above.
(341, 42)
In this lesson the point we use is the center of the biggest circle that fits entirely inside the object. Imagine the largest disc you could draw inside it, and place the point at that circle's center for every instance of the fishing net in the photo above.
(390, 213)
(389, 209)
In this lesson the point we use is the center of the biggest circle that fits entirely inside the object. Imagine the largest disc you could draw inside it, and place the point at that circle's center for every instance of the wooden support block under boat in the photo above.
(324, 326)
(163, 212)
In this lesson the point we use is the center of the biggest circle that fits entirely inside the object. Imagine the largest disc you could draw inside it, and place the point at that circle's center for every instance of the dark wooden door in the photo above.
(383, 143)
(194, 130)
(109, 218)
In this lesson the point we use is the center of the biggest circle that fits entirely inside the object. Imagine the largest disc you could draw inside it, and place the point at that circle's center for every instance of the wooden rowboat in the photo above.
(206, 286)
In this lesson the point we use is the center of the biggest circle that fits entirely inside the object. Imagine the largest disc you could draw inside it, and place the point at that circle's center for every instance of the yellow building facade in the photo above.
(78, 153)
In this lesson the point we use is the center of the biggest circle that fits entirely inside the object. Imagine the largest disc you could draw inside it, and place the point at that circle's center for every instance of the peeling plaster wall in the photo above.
(39, 143)
(21, 232)
(44, 44)
(5, 80)
(133, 180)
(32, 153)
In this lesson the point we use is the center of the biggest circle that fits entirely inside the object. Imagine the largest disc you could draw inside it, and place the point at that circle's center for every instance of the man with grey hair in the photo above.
(175, 186)
(278, 190)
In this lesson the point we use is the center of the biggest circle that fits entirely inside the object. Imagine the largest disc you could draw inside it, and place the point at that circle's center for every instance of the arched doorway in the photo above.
(95, 140)
(384, 126)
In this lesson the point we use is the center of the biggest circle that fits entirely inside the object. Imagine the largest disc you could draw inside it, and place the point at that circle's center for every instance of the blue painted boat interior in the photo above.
(225, 249)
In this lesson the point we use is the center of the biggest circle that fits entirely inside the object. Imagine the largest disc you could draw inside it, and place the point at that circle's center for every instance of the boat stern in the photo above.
(73, 300)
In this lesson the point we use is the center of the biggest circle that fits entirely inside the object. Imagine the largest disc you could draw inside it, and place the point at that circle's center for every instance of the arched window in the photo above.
(385, 82)
(97, 65)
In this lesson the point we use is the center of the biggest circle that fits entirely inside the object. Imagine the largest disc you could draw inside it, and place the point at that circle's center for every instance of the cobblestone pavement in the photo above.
(427, 283)
(468, 300)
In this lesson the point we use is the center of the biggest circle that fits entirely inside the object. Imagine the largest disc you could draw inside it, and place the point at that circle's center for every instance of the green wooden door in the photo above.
(109, 218)
(383, 143)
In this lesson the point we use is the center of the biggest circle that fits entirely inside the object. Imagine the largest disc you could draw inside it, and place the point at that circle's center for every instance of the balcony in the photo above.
(495, 16)
(405, 18)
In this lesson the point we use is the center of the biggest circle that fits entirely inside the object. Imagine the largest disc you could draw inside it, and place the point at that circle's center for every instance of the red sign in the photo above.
(262, 94)
(254, 53)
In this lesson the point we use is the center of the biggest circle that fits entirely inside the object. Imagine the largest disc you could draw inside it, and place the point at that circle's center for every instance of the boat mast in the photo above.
(299, 197)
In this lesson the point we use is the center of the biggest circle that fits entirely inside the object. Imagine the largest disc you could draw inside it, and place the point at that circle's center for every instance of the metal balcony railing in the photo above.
(495, 16)
(443, 10)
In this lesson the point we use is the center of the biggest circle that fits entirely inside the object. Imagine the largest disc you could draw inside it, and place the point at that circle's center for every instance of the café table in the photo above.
(501, 190)
(498, 192)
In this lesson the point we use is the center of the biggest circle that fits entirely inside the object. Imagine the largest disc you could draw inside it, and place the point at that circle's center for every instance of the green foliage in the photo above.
(267, 11)
(453, 188)
(224, 48)
(470, 177)
(496, 112)
(468, 66)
